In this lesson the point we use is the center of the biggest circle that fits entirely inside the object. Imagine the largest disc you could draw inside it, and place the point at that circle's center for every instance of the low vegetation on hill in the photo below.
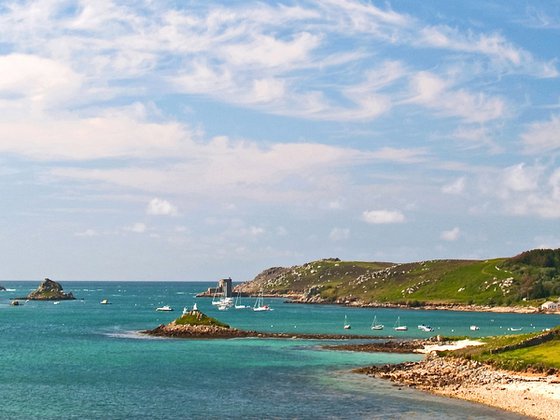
(496, 282)
(198, 318)
(538, 352)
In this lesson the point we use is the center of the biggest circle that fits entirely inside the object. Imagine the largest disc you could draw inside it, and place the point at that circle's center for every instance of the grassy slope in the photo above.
(538, 357)
(441, 281)
(202, 319)
(499, 281)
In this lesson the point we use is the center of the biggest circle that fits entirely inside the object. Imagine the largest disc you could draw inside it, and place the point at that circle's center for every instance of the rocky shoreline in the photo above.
(426, 306)
(299, 298)
(536, 396)
(390, 346)
(173, 330)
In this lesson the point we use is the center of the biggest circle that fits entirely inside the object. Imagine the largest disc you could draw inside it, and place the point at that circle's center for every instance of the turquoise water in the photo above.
(80, 359)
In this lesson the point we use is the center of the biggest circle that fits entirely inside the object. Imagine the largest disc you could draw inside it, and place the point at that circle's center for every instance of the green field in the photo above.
(539, 357)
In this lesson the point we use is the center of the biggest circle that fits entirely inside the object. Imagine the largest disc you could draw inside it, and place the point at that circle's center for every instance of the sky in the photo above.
(190, 140)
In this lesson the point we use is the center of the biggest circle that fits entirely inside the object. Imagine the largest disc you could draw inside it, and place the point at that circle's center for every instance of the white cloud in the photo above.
(137, 228)
(456, 187)
(451, 235)
(521, 178)
(493, 45)
(87, 233)
(256, 231)
(339, 234)
(477, 136)
(160, 207)
(542, 136)
(383, 216)
(115, 133)
(433, 92)
(31, 83)
(527, 189)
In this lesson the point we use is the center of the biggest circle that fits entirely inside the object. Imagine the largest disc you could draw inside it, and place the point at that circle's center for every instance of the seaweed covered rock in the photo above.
(50, 290)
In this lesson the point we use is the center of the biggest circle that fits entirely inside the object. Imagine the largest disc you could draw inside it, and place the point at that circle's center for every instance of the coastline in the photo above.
(536, 396)
(299, 298)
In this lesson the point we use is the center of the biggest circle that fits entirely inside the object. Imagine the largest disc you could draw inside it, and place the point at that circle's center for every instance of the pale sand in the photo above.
(532, 395)
(537, 397)
(428, 348)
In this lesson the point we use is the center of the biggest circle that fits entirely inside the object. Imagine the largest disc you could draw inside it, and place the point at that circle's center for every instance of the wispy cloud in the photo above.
(429, 90)
(451, 235)
(542, 136)
(379, 217)
(339, 234)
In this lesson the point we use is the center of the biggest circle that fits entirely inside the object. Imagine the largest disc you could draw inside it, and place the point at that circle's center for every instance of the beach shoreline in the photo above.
(532, 395)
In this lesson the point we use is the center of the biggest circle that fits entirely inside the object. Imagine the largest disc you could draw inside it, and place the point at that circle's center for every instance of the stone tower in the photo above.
(225, 286)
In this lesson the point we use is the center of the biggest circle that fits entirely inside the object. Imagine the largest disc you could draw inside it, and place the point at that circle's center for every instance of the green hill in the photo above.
(499, 281)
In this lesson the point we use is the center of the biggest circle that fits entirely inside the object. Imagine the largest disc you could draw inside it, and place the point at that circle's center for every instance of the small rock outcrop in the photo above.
(195, 324)
(50, 290)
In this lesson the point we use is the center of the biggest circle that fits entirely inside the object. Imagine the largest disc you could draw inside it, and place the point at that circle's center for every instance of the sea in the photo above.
(84, 360)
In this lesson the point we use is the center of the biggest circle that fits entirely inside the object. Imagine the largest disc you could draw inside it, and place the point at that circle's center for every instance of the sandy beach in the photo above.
(532, 395)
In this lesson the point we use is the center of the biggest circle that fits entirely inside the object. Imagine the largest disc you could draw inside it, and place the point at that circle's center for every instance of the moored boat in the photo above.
(164, 308)
(259, 304)
(425, 328)
(375, 325)
(398, 326)
(347, 325)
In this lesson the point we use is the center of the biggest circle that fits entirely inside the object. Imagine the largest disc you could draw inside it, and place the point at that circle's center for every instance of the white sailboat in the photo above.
(238, 304)
(375, 325)
(347, 325)
(215, 301)
(259, 304)
(398, 326)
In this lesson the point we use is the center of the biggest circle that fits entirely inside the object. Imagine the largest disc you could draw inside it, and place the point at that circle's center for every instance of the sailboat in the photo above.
(259, 304)
(347, 325)
(237, 304)
(398, 326)
(375, 325)
(214, 300)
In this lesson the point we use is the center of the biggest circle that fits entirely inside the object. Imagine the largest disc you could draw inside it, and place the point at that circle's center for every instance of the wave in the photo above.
(136, 335)
(10, 290)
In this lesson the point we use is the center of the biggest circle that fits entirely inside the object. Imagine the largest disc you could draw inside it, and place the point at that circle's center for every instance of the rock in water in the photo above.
(50, 290)
(2, 288)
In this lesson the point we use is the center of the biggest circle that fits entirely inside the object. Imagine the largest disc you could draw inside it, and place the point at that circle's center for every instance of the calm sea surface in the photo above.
(80, 359)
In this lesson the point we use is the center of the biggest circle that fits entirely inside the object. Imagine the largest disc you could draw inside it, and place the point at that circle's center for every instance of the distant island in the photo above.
(49, 290)
(521, 283)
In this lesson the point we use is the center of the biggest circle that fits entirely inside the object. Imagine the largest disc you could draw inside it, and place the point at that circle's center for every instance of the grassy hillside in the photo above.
(500, 281)
(537, 351)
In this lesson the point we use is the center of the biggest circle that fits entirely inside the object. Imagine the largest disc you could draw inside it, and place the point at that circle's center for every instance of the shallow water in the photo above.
(80, 359)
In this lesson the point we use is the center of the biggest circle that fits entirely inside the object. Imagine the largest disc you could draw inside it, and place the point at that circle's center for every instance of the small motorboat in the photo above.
(104, 302)
(164, 308)
(425, 328)
(474, 328)
(347, 325)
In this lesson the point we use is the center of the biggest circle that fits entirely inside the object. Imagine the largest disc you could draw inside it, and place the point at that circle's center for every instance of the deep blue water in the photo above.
(80, 359)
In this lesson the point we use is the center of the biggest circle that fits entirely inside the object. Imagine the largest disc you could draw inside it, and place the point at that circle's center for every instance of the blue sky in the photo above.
(166, 140)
